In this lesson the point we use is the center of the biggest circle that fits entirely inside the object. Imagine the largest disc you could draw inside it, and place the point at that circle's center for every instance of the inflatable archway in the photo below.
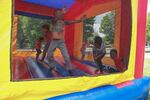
(129, 36)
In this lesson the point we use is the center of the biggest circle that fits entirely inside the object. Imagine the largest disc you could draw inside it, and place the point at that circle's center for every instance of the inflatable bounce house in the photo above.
(107, 28)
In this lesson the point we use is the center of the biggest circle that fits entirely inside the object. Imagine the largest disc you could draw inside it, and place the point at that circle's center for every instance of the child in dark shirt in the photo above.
(38, 47)
(119, 62)
(99, 51)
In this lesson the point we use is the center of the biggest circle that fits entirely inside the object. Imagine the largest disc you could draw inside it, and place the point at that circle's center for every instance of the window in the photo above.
(101, 25)
(37, 50)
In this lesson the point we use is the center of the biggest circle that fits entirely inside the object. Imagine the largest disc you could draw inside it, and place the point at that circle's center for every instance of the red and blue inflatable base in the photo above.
(137, 89)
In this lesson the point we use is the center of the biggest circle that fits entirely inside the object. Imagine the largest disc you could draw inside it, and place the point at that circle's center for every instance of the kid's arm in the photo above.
(98, 56)
(76, 21)
(124, 61)
(72, 22)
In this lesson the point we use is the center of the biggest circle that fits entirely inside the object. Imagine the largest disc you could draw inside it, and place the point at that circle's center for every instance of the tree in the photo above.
(107, 27)
(29, 29)
(148, 30)
(88, 29)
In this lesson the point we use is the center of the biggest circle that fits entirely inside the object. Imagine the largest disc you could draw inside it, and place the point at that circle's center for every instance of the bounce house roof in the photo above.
(46, 8)
(52, 3)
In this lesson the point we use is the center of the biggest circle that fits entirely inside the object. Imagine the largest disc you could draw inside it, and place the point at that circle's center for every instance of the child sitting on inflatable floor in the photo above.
(83, 48)
(99, 51)
(119, 62)
(38, 47)
(58, 40)
(48, 38)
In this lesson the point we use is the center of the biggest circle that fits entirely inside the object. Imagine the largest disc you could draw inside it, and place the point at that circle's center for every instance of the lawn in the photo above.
(147, 67)
(147, 64)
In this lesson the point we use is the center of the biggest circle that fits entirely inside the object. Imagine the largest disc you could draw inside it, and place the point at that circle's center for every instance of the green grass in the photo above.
(147, 67)
(147, 62)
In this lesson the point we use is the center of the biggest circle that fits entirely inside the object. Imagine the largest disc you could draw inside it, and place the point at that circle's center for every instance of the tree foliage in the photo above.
(107, 27)
(88, 29)
(148, 30)
(29, 29)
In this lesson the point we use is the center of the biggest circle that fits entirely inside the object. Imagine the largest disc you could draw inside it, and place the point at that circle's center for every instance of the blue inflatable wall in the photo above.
(139, 90)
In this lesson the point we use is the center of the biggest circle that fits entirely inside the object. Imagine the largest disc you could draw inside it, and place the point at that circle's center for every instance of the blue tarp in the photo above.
(57, 4)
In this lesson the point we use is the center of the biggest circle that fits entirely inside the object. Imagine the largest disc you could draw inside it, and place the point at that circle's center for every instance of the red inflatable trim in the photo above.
(141, 38)
(32, 8)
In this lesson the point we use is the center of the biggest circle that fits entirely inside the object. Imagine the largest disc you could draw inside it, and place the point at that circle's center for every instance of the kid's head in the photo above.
(41, 38)
(45, 28)
(97, 41)
(59, 14)
(113, 53)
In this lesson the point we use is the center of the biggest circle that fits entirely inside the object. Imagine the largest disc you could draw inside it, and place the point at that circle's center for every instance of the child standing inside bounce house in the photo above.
(58, 39)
